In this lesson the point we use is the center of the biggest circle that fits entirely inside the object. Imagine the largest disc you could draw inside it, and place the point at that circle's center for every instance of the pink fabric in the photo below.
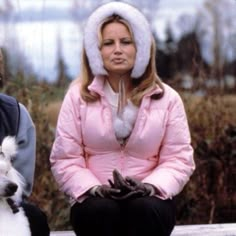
(85, 150)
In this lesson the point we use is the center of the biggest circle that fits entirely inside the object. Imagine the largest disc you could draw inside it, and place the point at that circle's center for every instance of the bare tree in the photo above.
(221, 23)
(213, 8)
(62, 78)
(1, 69)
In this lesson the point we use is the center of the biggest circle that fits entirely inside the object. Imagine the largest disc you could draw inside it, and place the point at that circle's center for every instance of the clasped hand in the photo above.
(124, 188)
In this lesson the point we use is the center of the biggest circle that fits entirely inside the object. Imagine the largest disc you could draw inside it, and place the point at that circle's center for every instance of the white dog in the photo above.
(13, 221)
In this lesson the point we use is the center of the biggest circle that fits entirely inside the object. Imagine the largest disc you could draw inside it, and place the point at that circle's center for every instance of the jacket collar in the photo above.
(154, 90)
(97, 85)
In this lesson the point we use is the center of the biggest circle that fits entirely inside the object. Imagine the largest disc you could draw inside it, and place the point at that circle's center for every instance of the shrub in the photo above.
(210, 195)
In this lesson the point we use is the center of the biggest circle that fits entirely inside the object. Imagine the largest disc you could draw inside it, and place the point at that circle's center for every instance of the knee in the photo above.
(103, 206)
(37, 219)
(158, 214)
(150, 205)
(139, 206)
(33, 211)
(96, 206)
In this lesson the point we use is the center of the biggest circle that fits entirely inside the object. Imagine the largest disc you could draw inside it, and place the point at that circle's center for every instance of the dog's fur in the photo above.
(11, 187)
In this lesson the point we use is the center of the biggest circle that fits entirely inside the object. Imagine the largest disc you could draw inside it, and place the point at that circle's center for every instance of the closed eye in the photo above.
(107, 43)
(126, 41)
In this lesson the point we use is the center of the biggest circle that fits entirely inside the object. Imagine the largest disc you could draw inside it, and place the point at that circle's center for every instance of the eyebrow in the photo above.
(129, 38)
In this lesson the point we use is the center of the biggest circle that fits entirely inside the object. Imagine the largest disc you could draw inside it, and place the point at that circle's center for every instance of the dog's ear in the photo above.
(9, 147)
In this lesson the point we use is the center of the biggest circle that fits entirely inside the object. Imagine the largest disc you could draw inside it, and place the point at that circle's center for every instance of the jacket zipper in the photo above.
(122, 146)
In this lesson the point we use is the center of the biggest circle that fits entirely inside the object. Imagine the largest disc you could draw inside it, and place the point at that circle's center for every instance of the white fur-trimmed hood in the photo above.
(139, 25)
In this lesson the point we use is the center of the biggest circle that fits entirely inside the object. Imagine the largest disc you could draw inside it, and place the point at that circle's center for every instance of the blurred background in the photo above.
(196, 54)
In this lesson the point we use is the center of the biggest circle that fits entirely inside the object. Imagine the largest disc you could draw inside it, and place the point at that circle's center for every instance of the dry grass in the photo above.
(52, 111)
(209, 115)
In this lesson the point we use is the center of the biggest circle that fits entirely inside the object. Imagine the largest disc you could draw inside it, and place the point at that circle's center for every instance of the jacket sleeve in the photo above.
(176, 163)
(24, 161)
(67, 159)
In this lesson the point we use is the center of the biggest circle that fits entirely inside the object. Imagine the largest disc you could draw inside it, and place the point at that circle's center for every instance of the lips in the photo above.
(118, 60)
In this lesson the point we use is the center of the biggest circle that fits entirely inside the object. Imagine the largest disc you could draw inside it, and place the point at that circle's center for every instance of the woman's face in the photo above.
(117, 48)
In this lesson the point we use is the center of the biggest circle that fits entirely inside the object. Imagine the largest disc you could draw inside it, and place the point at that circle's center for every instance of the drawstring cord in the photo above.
(122, 100)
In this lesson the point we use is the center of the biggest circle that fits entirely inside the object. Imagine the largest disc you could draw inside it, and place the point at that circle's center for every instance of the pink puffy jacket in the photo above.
(85, 150)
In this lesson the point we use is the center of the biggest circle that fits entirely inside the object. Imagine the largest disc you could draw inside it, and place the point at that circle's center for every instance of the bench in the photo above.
(186, 230)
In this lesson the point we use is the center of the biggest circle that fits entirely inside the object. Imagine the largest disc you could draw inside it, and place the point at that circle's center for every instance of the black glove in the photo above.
(129, 195)
(147, 189)
(104, 191)
(120, 183)
(129, 188)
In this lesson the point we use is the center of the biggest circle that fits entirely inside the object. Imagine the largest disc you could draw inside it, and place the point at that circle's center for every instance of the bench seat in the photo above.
(186, 230)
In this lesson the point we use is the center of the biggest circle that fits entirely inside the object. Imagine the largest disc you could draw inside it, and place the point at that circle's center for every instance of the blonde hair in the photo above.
(141, 86)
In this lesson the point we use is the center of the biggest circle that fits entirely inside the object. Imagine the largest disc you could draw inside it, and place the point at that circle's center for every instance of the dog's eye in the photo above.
(2, 156)
(3, 159)
(3, 172)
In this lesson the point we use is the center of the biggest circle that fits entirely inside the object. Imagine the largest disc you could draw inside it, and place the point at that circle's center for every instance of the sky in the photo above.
(167, 10)
(22, 4)
(172, 4)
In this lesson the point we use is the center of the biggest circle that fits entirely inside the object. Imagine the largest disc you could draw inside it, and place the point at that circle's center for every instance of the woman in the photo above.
(122, 148)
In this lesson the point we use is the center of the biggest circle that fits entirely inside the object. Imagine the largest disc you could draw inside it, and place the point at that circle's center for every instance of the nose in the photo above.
(118, 49)
(10, 189)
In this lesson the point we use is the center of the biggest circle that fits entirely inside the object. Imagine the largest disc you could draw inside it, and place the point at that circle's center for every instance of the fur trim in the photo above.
(9, 147)
(139, 25)
(124, 125)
